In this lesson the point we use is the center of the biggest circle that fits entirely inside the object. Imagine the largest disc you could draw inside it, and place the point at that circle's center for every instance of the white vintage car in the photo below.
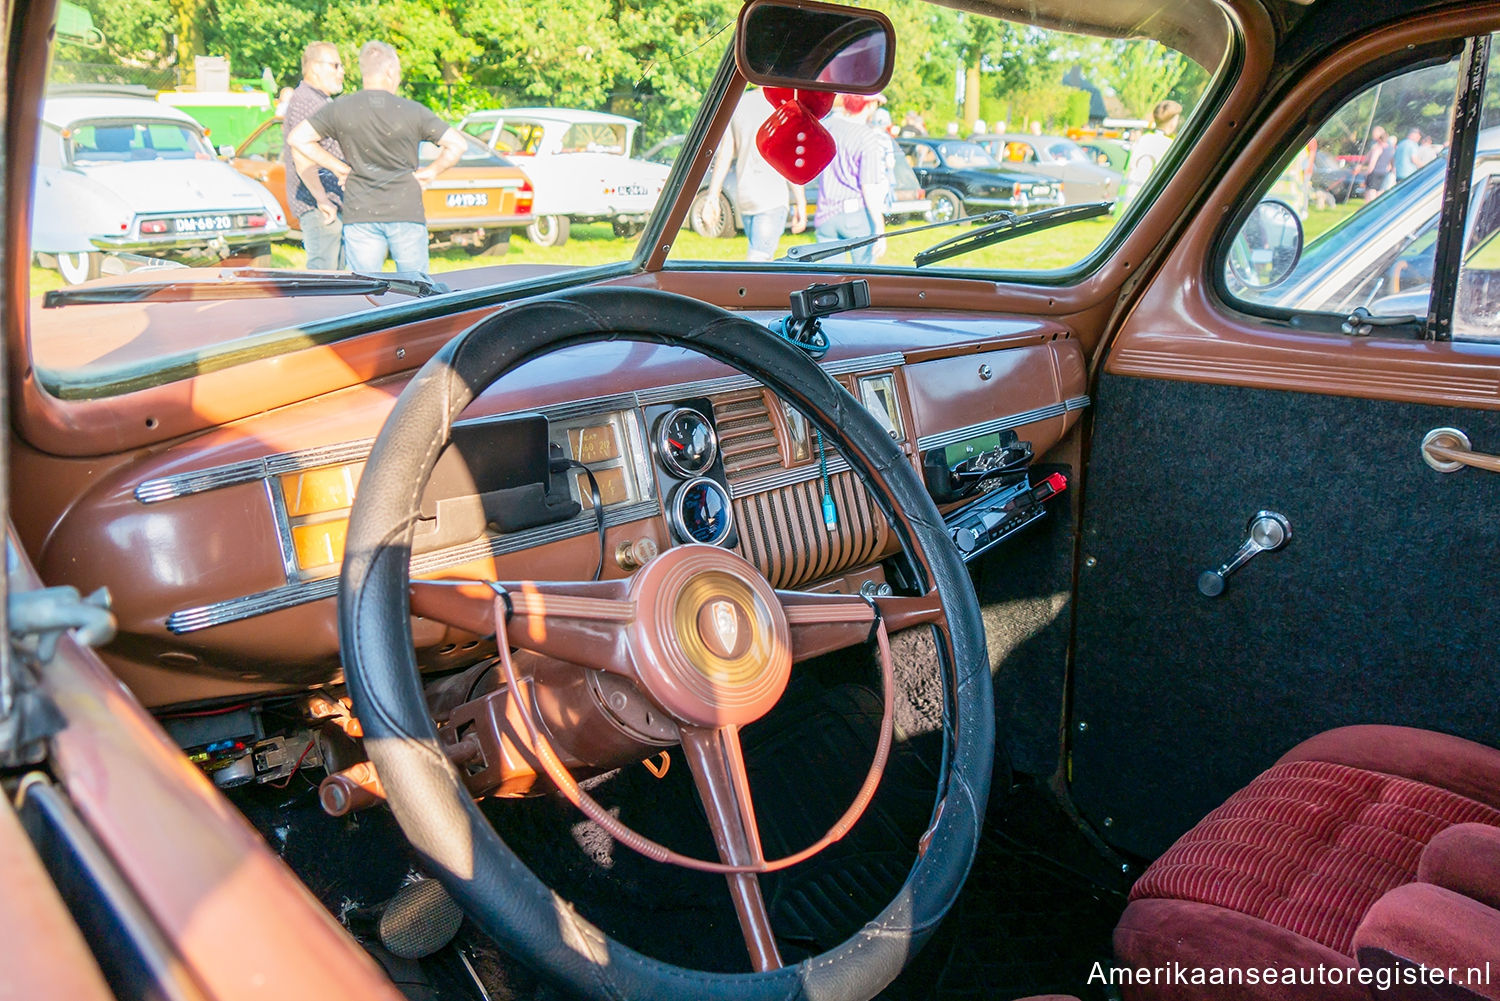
(123, 178)
(580, 165)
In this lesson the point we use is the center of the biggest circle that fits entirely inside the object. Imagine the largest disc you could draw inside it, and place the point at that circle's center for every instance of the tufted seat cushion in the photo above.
(1285, 871)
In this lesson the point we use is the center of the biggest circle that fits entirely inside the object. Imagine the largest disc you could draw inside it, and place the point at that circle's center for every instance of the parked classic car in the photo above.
(128, 176)
(476, 204)
(961, 627)
(1055, 157)
(580, 166)
(963, 179)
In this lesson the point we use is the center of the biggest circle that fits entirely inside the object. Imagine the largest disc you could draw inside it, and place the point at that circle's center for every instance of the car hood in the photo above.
(175, 186)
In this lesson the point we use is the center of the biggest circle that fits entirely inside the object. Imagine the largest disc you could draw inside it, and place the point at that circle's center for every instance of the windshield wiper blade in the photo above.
(1001, 231)
(250, 283)
(806, 252)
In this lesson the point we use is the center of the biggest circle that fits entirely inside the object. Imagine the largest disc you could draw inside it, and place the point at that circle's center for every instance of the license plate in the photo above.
(467, 199)
(203, 223)
(1041, 189)
(630, 189)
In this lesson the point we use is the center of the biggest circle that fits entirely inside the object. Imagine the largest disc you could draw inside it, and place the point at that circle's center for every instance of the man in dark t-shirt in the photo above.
(322, 230)
(379, 134)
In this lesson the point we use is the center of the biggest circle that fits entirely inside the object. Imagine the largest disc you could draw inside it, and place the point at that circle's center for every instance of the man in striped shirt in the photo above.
(852, 189)
(322, 230)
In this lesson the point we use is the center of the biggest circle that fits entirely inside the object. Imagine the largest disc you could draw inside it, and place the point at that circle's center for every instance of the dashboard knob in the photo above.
(965, 539)
(630, 555)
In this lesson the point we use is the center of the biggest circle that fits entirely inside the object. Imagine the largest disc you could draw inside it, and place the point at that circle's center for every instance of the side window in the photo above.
(480, 130)
(266, 145)
(1368, 190)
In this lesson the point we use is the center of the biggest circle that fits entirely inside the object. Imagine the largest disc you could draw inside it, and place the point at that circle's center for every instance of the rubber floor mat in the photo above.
(1034, 917)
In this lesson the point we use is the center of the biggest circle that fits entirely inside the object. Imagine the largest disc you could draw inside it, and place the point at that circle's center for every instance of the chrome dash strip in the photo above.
(732, 383)
(278, 598)
(787, 477)
(1002, 423)
(184, 484)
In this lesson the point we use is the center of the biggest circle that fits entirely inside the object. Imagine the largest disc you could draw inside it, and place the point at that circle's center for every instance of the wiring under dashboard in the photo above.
(597, 500)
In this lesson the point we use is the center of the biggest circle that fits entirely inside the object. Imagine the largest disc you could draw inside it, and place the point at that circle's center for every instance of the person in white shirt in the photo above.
(1149, 149)
(760, 193)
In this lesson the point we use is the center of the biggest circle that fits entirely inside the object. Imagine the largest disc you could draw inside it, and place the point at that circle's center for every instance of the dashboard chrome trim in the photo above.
(1001, 423)
(219, 613)
(787, 477)
(164, 488)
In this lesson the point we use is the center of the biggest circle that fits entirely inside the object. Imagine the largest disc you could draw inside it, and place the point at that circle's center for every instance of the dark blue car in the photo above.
(962, 179)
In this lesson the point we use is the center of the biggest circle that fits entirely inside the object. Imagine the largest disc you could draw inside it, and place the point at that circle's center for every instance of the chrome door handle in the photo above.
(1268, 530)
(1448, 450)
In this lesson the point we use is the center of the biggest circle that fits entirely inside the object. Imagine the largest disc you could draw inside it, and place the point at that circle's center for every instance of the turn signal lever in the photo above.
(1268, 530)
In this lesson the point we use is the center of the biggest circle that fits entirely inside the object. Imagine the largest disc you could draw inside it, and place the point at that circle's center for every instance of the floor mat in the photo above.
(1034, 917)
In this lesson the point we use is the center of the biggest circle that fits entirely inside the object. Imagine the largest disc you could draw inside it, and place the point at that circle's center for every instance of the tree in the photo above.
(1143, 73)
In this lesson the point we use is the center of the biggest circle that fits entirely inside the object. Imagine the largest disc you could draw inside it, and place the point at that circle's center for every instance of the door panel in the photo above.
(1376, 611)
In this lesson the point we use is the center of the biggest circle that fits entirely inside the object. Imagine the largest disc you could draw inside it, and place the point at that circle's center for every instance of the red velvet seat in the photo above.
(1286, 871)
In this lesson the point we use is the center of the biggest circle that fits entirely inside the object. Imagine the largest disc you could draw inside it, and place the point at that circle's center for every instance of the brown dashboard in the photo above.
(222, 550)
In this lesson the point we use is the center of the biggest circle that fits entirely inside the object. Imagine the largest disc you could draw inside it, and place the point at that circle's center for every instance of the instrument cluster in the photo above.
(690, 471)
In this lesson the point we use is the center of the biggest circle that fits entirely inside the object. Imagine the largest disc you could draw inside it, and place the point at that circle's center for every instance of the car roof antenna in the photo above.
(809, 305)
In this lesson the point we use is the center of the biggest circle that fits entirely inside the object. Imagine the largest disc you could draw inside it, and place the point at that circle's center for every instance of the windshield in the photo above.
(119, 142)
(963, 156)
(568, 120)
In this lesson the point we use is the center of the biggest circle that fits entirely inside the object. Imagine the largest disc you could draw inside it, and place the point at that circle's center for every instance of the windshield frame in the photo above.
(651, 253)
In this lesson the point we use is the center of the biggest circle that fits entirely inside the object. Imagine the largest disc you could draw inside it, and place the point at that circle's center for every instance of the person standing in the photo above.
(315, 201)
(852, 189)
(1147, 151)
(1380, 157)
(760, 192)
(1405, 159)
(380, 135)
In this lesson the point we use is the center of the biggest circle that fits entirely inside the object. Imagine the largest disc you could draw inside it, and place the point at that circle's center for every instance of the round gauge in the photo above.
(700, 512)
(686, 442)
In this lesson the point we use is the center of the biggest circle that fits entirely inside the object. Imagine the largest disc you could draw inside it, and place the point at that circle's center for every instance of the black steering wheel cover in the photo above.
(429, 800)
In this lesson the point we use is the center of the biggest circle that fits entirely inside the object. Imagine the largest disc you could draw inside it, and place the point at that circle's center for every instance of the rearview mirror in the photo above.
(1268, 246)
(815, 46)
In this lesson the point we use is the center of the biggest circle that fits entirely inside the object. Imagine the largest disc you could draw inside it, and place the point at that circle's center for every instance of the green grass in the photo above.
(596, 244)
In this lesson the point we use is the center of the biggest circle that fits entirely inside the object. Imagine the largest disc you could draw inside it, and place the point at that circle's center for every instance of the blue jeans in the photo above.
(366, 243)
(764, 231)
(324, 241)
(848, 226)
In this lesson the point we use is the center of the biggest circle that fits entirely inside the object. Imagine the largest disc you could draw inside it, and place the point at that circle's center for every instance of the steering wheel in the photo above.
(697, 630)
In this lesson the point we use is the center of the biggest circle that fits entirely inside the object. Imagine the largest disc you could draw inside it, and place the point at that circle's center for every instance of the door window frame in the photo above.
(1472, 52)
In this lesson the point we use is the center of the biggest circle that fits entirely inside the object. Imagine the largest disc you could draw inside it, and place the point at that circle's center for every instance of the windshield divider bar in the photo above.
(1468, 105)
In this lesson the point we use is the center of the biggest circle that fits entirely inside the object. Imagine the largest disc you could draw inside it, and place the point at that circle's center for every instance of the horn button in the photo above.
(710, 640)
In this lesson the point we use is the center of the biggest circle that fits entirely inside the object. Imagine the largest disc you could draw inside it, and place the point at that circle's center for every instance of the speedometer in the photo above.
(700, 512)
(686, 443)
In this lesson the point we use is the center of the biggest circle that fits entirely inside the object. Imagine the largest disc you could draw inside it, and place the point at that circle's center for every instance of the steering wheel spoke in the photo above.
(823, 623)
(582, 622)
(718, 765)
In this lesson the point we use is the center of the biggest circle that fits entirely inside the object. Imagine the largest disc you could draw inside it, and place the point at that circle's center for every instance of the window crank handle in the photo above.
(1268, 530)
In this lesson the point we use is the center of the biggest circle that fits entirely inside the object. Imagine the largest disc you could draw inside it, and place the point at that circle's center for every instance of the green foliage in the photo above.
(1143, 73)
(136, 32)
(648, 59)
